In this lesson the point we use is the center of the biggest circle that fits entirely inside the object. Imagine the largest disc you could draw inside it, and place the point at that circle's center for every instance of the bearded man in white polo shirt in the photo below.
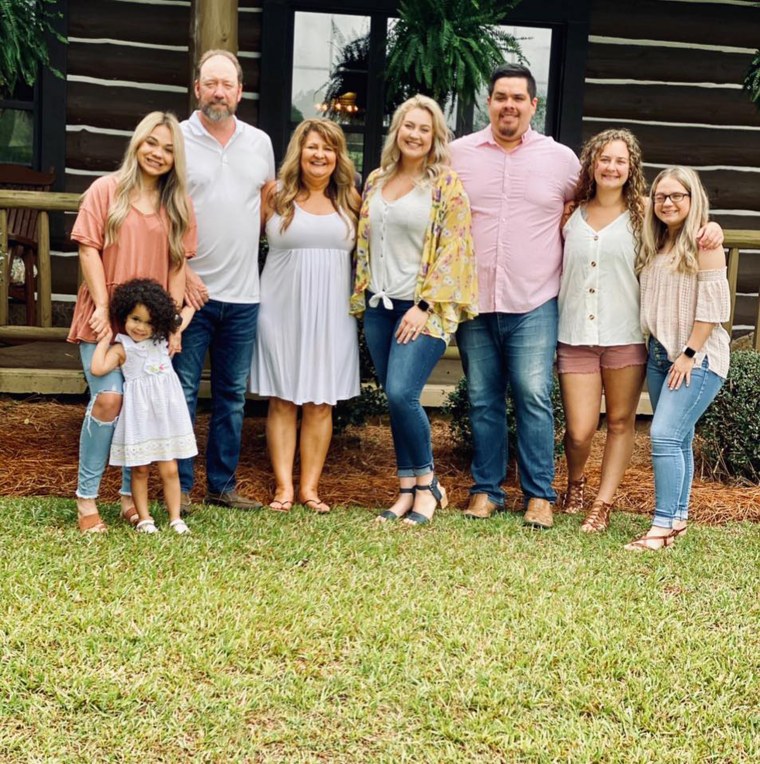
(228, 162)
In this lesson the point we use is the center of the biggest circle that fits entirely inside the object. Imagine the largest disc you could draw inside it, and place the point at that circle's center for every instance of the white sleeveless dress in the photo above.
(154, 424)
(307, 349)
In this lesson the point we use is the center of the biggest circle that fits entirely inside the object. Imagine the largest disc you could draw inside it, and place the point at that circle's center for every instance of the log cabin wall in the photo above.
(125, 59)
(671, 72)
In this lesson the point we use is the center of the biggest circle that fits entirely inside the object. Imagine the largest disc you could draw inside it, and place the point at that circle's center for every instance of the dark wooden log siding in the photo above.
(696, 146)
(613, 61)
(628, 104)
(705, 23)
(670, 103)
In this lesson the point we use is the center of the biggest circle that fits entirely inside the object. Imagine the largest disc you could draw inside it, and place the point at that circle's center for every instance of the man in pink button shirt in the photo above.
(518, 182)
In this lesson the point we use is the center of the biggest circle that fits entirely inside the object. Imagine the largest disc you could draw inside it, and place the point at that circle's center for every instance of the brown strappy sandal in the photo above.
(91, 523)
(641, 544)
(572, 502)
(597, 519)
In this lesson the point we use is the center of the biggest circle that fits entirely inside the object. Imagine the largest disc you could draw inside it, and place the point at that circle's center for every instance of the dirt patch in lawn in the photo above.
(39, 442)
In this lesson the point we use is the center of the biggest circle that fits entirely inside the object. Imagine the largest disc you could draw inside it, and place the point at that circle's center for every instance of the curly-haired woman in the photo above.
(601, 347)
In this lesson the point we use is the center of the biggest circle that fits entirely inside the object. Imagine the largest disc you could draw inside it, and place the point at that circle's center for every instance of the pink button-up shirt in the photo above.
(517, 198)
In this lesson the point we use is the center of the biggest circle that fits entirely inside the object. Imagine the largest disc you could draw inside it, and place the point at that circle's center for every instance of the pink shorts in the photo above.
(591, 359)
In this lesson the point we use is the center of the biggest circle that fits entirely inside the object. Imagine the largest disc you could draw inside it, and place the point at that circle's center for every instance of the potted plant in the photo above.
(446, 49)
(25, 27)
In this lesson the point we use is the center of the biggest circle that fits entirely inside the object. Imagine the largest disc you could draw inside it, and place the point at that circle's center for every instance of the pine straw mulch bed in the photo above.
(39, 442)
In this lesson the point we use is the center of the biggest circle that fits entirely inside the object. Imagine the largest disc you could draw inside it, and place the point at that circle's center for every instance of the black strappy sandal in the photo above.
(389, 516)
(441, 499)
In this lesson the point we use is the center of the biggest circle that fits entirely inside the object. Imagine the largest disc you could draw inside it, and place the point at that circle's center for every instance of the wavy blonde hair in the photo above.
(685, 248)
(172, 185)
(635, 188)
(437, 157)
(341, 189)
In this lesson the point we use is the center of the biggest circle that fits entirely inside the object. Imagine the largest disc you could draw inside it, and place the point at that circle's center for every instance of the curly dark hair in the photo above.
(154, 297)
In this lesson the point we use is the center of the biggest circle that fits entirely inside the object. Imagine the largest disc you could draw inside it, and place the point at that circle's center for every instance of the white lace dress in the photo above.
(307, 348)
(154, 424)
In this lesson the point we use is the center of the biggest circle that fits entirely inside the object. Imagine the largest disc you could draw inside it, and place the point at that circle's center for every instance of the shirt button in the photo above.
(596, 238)
(592, 317)
(592, 290)
(593, 263)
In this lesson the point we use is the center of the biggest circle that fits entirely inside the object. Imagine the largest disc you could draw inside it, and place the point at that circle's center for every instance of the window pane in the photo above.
(536, 44)
(330, 60)
(16, 136)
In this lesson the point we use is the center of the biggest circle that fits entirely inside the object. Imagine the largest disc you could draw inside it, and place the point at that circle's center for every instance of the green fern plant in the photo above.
(25, 27)
(446, 48)
(752, 80)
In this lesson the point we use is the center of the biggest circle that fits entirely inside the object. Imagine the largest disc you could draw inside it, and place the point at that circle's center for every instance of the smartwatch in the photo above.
(424, 305)
(689, 352)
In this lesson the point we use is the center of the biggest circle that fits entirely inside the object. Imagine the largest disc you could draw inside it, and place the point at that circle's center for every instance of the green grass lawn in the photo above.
(297, 638)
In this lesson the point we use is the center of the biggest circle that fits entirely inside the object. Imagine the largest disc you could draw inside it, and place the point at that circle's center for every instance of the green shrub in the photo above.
(371, 402)
(728, 442)
(457, 406)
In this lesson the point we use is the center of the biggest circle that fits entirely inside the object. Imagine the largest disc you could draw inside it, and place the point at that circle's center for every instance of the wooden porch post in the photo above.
(213, 24)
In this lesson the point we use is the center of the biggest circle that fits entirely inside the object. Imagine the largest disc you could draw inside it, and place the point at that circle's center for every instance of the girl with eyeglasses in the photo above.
(684, 299)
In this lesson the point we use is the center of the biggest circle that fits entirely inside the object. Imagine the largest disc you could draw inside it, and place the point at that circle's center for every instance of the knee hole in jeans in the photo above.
(105, 407)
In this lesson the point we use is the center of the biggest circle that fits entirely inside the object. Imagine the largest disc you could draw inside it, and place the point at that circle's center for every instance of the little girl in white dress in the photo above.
(154, 424)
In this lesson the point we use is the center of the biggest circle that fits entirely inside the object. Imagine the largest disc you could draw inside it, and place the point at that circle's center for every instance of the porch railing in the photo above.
(47, 201)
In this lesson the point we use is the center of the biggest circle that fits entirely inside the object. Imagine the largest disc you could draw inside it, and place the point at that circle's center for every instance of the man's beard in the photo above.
(217, 111)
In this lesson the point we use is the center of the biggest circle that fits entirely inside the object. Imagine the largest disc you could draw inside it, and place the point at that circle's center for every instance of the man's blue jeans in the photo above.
(676, 412)
(402, 371)
(95, 437)
(228, 331)
(516, 349)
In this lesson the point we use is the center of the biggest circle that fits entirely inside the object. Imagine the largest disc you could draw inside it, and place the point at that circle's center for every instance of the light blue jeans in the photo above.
(402, 371)
(95, 438)
(676, 412)
(228, 331)
(514, 348)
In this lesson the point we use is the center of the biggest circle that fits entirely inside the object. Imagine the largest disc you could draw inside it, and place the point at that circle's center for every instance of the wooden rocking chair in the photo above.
(22, 232)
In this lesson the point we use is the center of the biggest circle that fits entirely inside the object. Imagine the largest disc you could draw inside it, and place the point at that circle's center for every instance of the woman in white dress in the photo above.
(307, 351)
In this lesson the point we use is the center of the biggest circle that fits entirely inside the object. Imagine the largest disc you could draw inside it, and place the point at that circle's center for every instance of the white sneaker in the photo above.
(179, 526)
(146, 526)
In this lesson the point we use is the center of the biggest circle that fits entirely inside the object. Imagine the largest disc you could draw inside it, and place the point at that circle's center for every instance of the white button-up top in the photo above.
(599, 291)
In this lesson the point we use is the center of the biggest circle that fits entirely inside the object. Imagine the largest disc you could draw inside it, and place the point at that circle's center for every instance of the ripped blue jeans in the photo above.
(95, 439)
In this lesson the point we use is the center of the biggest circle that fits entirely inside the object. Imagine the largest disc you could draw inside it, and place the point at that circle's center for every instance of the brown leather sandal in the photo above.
(91, 523)
(572, 503)
(597, 519)
(641, 544)
(130, 515)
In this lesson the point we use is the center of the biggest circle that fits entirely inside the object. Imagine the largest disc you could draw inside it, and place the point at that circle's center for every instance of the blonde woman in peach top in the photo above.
(137, 222)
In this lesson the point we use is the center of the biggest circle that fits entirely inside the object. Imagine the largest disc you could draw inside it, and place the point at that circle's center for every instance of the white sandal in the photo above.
(146, 526)
(179, 526)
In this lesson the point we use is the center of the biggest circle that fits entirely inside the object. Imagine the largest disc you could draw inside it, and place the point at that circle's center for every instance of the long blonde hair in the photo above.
(635, 187)
(341, 189)
(437, 157)
(172, 185)
(655, 233)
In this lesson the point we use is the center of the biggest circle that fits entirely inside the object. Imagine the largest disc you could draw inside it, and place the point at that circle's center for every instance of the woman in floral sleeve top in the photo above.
(415, 282)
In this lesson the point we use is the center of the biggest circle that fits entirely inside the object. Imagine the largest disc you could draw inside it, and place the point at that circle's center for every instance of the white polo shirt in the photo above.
(225, 183)
(599, 291)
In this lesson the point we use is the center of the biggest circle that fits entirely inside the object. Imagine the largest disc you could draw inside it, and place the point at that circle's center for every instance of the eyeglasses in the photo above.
(676, 198)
